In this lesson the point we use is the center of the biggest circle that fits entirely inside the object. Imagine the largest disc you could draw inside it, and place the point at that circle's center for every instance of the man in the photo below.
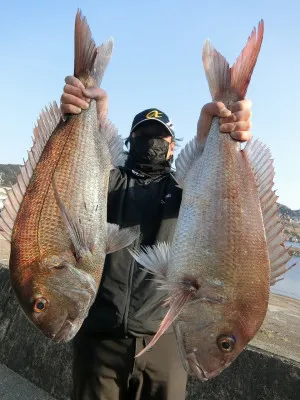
(128, 308)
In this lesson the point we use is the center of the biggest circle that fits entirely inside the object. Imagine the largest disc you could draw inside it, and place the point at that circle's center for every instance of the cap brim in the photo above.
(153, 119)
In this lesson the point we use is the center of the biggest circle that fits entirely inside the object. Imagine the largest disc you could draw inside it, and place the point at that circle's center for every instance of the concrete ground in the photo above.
(14, 387)
(280, 332)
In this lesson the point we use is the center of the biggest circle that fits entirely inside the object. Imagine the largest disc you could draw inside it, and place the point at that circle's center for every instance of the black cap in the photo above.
(153, 114)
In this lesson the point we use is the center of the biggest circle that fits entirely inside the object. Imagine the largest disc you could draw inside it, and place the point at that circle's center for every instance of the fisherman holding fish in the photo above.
(127, 310)
(119, 254)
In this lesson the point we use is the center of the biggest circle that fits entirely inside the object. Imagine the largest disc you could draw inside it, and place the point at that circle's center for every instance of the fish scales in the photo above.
(77, 166)
(85, 163)
(220, 227)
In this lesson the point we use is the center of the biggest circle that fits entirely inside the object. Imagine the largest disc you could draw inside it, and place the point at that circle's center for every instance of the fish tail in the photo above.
(90, 62)
(230, 84)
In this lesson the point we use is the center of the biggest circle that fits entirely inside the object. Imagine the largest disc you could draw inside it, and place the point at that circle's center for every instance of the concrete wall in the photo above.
(256, 375)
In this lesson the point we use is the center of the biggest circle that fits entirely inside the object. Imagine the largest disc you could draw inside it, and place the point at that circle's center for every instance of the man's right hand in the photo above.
(76, 98)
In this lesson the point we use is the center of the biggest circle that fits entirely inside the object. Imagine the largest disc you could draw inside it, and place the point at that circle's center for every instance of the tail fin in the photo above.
(90, 62)
(230, 84)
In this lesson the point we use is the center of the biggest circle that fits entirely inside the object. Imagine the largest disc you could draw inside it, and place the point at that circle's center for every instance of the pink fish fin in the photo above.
(242, 69)
(259, 157)
(46, 124)
(230, 84)
(90, 61)
(185, 160)
(177, 301)
(155, 260)
(79, 235)
(118, 238)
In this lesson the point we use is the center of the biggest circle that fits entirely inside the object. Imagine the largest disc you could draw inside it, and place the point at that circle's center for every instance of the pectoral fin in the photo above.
(80, 237)
(118, 238)
(177, 302)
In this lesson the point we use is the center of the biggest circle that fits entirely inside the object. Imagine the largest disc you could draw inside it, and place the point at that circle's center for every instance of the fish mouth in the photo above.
(67, 331)
(195, 368)
(71, 326)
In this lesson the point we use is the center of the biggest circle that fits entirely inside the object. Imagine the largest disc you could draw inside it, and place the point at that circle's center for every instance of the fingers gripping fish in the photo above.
(228, 244)
(55, 215)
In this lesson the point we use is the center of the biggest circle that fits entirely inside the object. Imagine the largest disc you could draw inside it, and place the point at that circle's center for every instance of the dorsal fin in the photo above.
(261, 162)
(115, 142)
(46, 124)
(185, 160)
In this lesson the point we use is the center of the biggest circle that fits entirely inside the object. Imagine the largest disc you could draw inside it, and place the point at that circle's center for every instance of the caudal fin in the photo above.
(90, 62)
(230, 84)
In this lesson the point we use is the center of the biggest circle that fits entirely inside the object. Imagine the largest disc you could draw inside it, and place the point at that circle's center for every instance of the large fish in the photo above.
(55, 216)
(228, 243)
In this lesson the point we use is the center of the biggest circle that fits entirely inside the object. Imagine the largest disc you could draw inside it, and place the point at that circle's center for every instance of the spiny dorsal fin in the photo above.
(115, 142)
(261, 162)
(185, 160)
(230, 84)
(46, 124)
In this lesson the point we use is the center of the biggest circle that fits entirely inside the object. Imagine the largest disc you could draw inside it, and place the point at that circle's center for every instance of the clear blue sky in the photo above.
(156, 63)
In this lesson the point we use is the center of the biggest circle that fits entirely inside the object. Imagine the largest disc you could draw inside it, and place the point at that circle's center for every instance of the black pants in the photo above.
(106, 369)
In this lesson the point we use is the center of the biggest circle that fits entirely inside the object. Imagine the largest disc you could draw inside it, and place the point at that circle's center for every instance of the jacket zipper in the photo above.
(128, 299)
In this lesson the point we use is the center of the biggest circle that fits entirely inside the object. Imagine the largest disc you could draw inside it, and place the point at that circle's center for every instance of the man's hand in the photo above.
(236, 122)
(76, 98)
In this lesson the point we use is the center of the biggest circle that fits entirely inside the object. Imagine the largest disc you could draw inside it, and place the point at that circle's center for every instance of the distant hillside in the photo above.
(8, 174)
(288, 213)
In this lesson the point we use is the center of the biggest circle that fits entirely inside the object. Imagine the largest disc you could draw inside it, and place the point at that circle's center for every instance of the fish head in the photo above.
(207, 348)
(55, 295)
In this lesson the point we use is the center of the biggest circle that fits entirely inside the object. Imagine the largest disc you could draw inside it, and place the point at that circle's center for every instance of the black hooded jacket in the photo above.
(128, 303)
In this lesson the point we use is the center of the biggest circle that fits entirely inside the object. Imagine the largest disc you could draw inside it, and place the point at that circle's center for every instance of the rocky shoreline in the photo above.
(294, 251)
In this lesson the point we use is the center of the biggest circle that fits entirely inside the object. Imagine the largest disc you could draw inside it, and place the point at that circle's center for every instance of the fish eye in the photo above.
(59, 266)
(226, 343)
(40, 305)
